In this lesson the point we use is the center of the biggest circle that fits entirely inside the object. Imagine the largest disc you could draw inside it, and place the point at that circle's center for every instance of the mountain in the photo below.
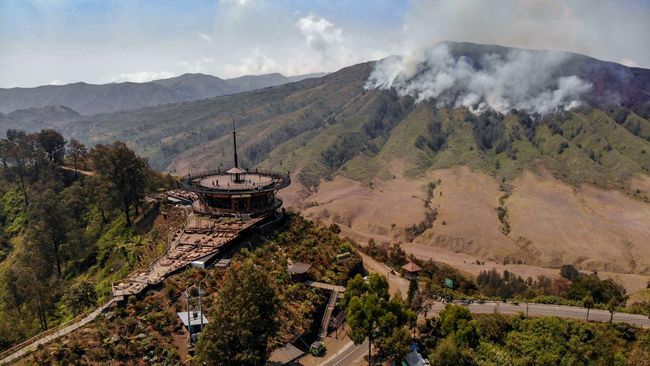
(35, 119)
(612, 83)
(521, 187)
(105, 98)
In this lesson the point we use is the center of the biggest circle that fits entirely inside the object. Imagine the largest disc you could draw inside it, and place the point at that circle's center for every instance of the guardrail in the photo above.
(206, 210)
(206, 173)
(279, 181)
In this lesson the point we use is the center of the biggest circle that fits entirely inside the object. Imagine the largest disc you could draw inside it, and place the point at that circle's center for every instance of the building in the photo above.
(298, 270)
(236, 192)
(285, 355)
(411, 270)
(193, 321)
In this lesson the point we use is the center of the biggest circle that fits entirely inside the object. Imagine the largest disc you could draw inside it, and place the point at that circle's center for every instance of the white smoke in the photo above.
(522, 80)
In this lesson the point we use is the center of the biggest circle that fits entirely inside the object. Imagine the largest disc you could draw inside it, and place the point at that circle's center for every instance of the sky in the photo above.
(64, 41)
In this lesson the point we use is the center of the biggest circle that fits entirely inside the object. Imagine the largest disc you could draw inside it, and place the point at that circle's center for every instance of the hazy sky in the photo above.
(59, 41)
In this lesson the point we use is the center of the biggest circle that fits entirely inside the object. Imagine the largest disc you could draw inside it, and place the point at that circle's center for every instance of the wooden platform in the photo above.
(199, 237)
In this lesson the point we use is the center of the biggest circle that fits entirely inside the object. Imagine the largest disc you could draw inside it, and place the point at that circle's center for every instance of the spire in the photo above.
(234, 141)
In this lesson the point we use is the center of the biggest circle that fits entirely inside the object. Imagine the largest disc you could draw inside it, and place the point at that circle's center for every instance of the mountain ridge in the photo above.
(90, 99)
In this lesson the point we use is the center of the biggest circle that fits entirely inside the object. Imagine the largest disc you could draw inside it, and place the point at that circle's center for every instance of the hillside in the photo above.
(105, 98)
(35, 119)
(570, 185)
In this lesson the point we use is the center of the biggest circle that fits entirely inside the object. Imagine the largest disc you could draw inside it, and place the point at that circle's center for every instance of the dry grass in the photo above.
(552, 222)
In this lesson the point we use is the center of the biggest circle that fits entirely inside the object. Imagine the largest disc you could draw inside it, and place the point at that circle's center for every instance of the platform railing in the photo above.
(207, 210)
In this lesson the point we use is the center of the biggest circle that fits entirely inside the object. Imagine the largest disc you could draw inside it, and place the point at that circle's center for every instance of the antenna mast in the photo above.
(234, 141)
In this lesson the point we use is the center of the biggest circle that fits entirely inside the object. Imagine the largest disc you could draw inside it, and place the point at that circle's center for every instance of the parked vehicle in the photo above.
(317, 349)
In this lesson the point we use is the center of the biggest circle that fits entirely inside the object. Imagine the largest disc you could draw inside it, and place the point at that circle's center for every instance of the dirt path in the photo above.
(395, 283)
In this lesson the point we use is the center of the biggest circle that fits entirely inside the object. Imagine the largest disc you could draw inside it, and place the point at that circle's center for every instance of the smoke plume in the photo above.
(520, 80)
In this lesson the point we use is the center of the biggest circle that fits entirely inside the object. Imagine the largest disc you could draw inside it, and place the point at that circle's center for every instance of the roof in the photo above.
(299, 268)
(236, 170)
(285, 354)
(223, 263)
(411, 267)
(414, 359)
(205, 258)
(194, 320)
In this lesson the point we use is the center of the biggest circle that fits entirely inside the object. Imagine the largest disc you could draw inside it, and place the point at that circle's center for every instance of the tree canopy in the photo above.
(373, 315)
(243, 320)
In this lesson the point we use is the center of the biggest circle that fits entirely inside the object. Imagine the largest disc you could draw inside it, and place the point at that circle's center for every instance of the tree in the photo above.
(243, 320)
(80, 297)
(18, 148)
(53, 144)
(611, 307)
(4, 151)
(101, 191)
(449, 354)
(569, 272)
(77, 152)
(373, 315)
(378, 285)
(48, 228)
(451, 316)
(363, 317)
(413, 294)
(398, 343)
(601, 290)
(122, 173)
(12, 291)
(35, 287)
(588, 302)
(355, 287)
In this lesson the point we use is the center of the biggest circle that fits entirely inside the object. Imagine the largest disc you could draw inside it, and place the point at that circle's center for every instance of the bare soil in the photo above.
(550, 222)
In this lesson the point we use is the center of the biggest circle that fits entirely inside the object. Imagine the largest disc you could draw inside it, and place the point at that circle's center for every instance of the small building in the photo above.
(235, 192)
(223, 263)
(414, 358)
(298, 270)
(205, 261)
(193, 320)
(411, 270)
(285, 355)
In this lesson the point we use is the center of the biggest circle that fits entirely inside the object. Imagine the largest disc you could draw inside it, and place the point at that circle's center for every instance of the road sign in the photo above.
(449, 282)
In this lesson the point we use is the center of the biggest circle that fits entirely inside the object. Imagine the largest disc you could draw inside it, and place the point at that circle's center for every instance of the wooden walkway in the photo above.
(324, 325)
(325, 286)
(198, 238)
(49, 335)
(336, 292)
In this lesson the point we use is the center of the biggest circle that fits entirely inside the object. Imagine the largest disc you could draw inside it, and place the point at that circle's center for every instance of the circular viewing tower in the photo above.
(235, 192)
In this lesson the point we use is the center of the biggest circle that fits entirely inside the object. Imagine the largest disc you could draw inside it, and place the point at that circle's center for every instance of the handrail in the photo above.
(206, 173)
(207, 210)
(10, 351)
(279, 181)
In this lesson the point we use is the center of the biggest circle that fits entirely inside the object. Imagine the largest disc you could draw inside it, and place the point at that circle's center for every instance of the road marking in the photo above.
(349, 353)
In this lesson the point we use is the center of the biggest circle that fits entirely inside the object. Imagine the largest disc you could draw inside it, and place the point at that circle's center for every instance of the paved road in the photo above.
(348, 355)
(551, 310)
